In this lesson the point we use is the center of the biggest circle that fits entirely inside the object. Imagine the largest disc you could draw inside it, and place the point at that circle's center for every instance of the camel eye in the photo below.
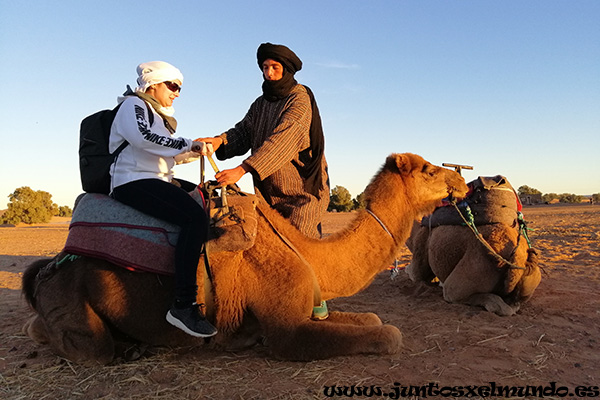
(429, 170)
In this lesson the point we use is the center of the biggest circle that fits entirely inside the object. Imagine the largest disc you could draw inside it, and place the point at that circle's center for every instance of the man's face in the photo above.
(272, 70)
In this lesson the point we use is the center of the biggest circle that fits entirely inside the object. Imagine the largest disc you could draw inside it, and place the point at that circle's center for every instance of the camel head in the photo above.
(413, 180)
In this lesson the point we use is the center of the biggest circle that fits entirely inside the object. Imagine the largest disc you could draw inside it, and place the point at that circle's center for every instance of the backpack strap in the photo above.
(150, 114)
(121, 148)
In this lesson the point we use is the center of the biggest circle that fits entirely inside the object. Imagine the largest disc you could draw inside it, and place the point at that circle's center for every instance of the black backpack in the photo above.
(94, 158)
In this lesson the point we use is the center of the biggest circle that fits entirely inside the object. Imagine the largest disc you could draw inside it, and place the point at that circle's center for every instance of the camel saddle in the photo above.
(491, 200)
(233, 220)
(104, 228)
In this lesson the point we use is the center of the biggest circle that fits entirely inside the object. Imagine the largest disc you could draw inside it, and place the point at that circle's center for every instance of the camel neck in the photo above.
(350, 259)
(381, 223)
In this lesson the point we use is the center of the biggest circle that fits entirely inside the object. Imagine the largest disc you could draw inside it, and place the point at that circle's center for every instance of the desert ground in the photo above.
(553, 338)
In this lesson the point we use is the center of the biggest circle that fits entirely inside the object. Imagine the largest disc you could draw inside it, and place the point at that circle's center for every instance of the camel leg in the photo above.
(350, 318)
(72, 328)
(283, 305)
(312, 340)
(246, 336)
(419, 269)
(250, 333)
(292, 335)
(473, 281)
(81, 336)
(35, 329)
(492, 303)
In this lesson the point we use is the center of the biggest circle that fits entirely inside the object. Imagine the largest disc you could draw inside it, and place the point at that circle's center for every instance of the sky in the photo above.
(509, 87)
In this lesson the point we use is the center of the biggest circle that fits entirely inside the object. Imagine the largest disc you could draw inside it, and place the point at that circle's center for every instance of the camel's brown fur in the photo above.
(468, 272)
(265, 291)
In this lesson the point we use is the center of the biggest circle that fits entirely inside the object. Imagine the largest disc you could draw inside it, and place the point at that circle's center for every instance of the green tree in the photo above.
(64, 211)
(548, 197)
(569, 198)
(340, 199)
(525, 190)
(358, 203)
(29, 206)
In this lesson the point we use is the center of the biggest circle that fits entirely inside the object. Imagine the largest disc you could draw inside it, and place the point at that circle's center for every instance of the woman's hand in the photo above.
(231, 176)
(216, 142)
(202, 148)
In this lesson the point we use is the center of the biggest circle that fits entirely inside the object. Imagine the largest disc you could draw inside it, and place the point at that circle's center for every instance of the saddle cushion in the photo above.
(104, 228)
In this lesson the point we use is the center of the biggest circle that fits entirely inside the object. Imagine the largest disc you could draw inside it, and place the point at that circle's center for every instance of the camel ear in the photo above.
(403, 163)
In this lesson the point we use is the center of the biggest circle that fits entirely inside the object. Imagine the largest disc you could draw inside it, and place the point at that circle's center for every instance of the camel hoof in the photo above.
(391, 339)
(135, 352)
(35, 330)
(371, 319)
(362, 319)
(492, 303)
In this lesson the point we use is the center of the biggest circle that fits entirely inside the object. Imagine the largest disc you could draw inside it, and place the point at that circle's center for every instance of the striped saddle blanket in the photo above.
(104, 228)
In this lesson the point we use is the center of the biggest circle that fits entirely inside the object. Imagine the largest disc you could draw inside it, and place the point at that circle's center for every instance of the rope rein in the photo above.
(471, 224)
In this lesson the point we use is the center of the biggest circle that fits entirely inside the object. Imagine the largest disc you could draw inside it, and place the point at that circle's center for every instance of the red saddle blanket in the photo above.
(104, 228)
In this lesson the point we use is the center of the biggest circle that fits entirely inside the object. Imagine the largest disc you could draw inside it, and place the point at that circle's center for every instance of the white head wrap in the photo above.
(154, 72)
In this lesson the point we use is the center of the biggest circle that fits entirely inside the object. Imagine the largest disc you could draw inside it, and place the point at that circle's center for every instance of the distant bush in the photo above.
(525, 190)
(64, 211)
(358, 203)
(340, 199)
(569, 198)
(29, 206)
(548, 197)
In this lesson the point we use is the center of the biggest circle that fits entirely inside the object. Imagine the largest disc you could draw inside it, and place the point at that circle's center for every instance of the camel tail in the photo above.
(29, 280)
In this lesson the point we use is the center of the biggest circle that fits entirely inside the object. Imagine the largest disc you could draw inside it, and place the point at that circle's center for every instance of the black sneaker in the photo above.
(191, 320)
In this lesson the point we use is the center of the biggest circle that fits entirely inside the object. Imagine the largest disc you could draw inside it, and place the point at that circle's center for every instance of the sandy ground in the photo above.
(554, 338)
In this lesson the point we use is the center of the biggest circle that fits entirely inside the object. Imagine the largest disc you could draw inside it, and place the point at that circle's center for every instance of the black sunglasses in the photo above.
(172, 86)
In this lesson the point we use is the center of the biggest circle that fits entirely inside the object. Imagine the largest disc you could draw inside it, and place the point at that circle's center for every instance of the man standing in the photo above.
(283, 131)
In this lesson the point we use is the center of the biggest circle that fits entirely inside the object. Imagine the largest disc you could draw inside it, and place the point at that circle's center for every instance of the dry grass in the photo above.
(170, 374)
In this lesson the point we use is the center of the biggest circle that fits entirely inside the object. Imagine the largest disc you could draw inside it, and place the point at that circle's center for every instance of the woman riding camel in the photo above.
(142, 177)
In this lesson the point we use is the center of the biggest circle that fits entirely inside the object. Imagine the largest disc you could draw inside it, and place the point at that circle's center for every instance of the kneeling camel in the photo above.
(266, 290)
(499, 278)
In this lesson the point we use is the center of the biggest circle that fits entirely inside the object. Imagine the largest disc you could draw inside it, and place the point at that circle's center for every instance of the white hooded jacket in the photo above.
(152, 151)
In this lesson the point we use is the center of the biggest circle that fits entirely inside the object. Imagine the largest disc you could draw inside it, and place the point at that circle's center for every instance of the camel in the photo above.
(469, 272)
(263, 294)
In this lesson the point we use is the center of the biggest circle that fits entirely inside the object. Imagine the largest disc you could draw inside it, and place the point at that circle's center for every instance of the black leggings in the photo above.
(170, 203)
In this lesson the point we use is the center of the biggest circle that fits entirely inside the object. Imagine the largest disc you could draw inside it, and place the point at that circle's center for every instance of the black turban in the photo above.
(279, 53)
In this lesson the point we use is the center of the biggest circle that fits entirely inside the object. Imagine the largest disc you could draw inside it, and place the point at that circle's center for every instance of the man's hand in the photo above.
(231, 176)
